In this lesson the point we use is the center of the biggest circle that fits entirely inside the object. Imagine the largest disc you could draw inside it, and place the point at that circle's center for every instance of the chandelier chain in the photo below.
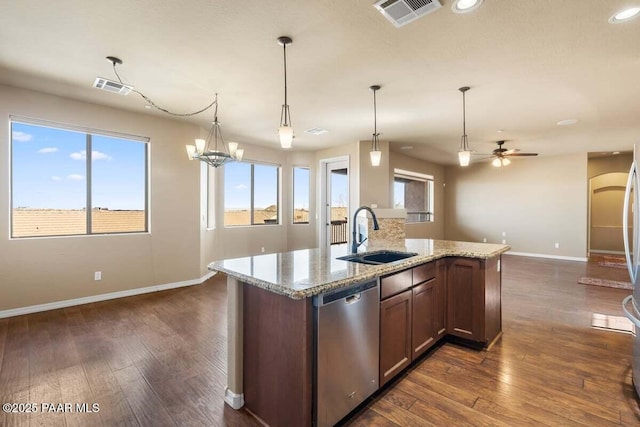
(157, 107)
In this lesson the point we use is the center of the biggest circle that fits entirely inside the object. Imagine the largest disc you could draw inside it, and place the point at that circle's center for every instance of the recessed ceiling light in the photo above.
(500, 130)
(567, 122)
(464, 6)
(407, 147)
(316, 131)
(624, 15)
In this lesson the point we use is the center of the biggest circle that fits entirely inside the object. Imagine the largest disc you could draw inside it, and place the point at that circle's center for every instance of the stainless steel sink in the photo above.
(378, 257)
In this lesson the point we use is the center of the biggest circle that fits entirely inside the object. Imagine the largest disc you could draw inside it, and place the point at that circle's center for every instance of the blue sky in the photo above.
(237, 186)
(49, 170)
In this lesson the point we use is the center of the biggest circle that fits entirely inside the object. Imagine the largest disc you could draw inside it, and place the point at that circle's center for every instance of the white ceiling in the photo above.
(529, 65)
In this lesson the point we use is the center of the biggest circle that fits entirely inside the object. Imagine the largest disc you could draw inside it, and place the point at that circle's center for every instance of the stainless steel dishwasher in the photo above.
(347, 354)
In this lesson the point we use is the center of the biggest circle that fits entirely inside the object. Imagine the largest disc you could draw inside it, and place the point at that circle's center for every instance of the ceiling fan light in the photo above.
(496, 162)
(191, 151)
(464, 157)
(286, 136)
(505, 161)
(376, 156)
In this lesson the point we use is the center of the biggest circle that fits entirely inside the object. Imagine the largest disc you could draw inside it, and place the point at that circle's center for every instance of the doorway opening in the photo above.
(334, 222)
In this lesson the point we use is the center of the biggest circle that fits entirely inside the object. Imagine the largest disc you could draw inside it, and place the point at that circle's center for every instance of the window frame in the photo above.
(429, 181)
(88, 132)
(293, 194)
(252, 222)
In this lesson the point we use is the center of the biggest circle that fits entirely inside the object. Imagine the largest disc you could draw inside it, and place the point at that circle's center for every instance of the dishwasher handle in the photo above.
(352, 299)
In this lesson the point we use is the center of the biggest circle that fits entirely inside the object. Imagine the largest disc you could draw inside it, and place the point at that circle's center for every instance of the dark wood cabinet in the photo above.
(473, 299)
(423, 330)
(395, 335)
(440, 300)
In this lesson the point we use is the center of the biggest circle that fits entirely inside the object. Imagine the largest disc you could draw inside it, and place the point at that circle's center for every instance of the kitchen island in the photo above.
(271, 348)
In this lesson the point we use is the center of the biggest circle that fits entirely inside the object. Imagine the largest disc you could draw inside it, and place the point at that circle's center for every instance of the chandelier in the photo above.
(213, 151)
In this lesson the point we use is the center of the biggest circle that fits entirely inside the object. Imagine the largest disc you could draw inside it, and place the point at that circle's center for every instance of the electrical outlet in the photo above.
(262, 249)
(484, 240)
(97, 275)
(504, 242)
(557, 245)
(504, 234)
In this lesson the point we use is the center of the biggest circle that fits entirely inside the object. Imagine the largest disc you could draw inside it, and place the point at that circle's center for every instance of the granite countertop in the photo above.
(308, 272)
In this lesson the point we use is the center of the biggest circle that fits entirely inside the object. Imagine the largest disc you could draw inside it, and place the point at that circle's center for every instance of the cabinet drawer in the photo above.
(424, 272)
(395, 283)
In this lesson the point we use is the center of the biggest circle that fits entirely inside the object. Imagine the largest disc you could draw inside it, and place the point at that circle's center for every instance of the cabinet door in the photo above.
(465, 304)
(395, 335)
(440, 300)
(423, 332)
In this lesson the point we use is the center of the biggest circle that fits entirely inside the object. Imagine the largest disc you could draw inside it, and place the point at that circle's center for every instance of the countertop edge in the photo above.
(373, 273)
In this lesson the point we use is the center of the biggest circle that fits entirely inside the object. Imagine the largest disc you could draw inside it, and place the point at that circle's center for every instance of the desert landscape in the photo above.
(64, 222)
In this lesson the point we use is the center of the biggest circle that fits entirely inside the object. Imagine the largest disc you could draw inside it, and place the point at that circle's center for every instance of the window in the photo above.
(251, 194)
(300, 195)
(72, 181)
(413, 192)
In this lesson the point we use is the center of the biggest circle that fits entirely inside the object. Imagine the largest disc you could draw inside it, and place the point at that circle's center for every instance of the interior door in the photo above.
(336, 203)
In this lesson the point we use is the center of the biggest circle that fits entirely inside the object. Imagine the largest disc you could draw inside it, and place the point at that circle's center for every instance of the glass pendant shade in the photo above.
(191, 151)
(286, 136)
(238, 154)
(233, 146)
(200, 145)
(464, 157)
(376, 156)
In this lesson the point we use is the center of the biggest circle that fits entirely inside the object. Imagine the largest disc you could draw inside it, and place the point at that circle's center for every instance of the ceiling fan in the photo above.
(501, 155)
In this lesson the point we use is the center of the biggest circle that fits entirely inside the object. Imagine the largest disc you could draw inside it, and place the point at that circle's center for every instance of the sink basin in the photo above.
(378, 257)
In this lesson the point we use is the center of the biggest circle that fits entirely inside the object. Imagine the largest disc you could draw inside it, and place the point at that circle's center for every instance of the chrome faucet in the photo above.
(354, 242)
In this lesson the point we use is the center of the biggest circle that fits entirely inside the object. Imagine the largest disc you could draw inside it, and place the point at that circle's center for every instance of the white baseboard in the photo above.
(564, 258)
(236, 401)
(598, 251)
(102, 297)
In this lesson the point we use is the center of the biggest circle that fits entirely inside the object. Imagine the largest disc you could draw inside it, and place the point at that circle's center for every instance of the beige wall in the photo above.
(601, 165)
(536, 201)
(430, 230)
(41, 270)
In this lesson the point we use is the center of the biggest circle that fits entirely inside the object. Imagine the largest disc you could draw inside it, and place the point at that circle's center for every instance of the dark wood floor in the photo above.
(159, 359)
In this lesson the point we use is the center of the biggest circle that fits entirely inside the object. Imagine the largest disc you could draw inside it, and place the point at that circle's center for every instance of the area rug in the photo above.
(614, 262)
(604, 282)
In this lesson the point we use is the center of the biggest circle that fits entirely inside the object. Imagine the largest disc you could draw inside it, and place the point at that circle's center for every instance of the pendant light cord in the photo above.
(375, 123)
(286, 105)
(157, 107)
(464, 115)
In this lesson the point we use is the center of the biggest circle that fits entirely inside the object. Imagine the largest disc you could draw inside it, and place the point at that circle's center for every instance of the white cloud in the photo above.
(46, 150)
(240, 187)
(75, 177)
(21, 136)
(56, 178)
(99, 155)
(96, 155)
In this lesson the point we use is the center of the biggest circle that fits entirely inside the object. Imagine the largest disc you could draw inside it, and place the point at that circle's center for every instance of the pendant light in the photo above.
(464, 155)
(376, 154)
(286, 130)
(214, 154)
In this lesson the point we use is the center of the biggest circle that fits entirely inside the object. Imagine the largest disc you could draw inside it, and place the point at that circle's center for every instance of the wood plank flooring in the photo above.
(160, 359)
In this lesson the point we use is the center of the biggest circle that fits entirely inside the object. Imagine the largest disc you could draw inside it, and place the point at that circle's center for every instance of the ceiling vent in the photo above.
(112, 86)
(401, 12)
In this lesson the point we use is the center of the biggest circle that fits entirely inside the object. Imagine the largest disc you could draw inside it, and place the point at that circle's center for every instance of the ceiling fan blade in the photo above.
(521, 154)
(508, 152)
